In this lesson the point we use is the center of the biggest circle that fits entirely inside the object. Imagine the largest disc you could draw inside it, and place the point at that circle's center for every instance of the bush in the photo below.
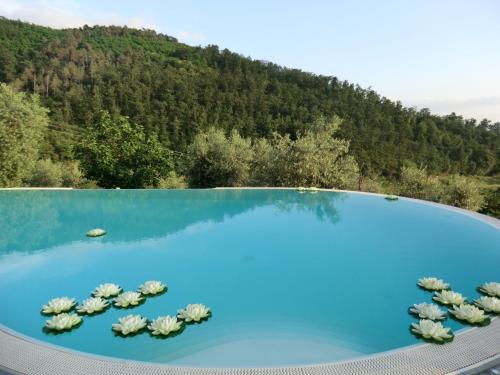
(462, 192)
(173, 181)
(72, 176)
(216, 160)
(46, 173)
(492, 203)
(315, 158)
(415, 183)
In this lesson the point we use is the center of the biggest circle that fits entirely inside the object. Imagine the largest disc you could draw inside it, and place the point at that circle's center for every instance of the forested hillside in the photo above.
(175, 91)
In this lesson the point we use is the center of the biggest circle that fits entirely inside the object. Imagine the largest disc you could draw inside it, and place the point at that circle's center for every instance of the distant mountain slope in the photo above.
(175, 90)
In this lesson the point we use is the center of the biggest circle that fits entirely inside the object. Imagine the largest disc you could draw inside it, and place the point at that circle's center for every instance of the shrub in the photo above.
(46, 173)
(216, 160)
(72, 176)
(173, 181)
(415, 183)
(315, 158)
(462, 192)
(492, 203)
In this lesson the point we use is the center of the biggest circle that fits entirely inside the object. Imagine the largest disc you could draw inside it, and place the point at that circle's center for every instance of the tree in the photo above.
(315, 158)
(117, 153)
(22, 124)
(216, 160)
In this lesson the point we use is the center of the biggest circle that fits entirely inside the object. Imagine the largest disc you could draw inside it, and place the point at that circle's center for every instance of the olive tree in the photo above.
(216, 160)
(315, 158)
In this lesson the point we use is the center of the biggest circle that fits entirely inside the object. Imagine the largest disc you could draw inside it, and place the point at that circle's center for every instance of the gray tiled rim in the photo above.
(473, 351)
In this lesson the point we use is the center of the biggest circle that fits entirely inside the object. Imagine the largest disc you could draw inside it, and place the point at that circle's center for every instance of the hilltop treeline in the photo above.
(176, 91)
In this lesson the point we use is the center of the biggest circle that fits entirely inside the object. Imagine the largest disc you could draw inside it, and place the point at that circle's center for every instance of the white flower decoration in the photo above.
(489, 304)
(391, 197)
(492, 289)
(63, 321)
(97, 232)
(432, 283)
(129, 324)
(128, 299)
(431, 330)
(447, 297)
(163, 325)
(194, 312)
(92, 305)
(107, 290)
(152, 287)
(58, 305)
(468, 313)
(427, 311)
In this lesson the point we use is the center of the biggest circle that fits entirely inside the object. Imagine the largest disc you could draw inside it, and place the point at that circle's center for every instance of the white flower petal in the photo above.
(97, 232)
(432, 283)
(428, 311)
(468, 313)
(63, 322)
(448, 297)
(92, 305)
(492, 289)
(58, 305)
(194, 312)
(431, 330)
(107, 290)
(489, 304)
(128, 299)
(164, 325)
(129, 324)
(152, 287)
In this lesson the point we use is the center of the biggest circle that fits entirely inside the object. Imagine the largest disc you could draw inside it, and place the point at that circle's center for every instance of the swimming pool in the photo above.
(291, 278)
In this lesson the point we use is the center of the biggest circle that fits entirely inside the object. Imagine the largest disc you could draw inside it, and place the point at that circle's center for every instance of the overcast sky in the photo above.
(440, 54)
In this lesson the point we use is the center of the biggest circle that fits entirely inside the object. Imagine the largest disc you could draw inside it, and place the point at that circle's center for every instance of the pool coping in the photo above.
(473, 350)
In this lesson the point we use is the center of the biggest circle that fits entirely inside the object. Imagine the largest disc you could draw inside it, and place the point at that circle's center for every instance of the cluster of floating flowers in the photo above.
(63, 320)
(430, 328)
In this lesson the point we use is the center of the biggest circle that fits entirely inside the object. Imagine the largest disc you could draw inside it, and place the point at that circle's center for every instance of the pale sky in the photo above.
(440, 54)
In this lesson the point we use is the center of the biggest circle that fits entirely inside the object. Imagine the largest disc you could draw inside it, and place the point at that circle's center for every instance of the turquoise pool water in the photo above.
(291, 278)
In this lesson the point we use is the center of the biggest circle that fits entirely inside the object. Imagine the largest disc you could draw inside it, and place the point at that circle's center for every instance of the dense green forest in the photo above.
(175, 91)
(167, 96)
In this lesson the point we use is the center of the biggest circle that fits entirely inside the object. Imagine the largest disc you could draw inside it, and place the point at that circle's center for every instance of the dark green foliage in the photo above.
(176, 91)
(492, 203)
(116, 153)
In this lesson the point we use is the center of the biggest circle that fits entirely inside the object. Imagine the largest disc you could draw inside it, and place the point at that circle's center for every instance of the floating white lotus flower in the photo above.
(92, 305)
(447, 297)
(391, 197)
(432, 283)
(301, 189)
(492, 289)
(152, 287)
(129, 324)
(194, 312)
(432, 330)
(469, 313)
(427, 311)
(107, 290)
(489, 304)
(97, 232)
(163, 325)
(128, 299)
(58, 305)
(63, 321)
